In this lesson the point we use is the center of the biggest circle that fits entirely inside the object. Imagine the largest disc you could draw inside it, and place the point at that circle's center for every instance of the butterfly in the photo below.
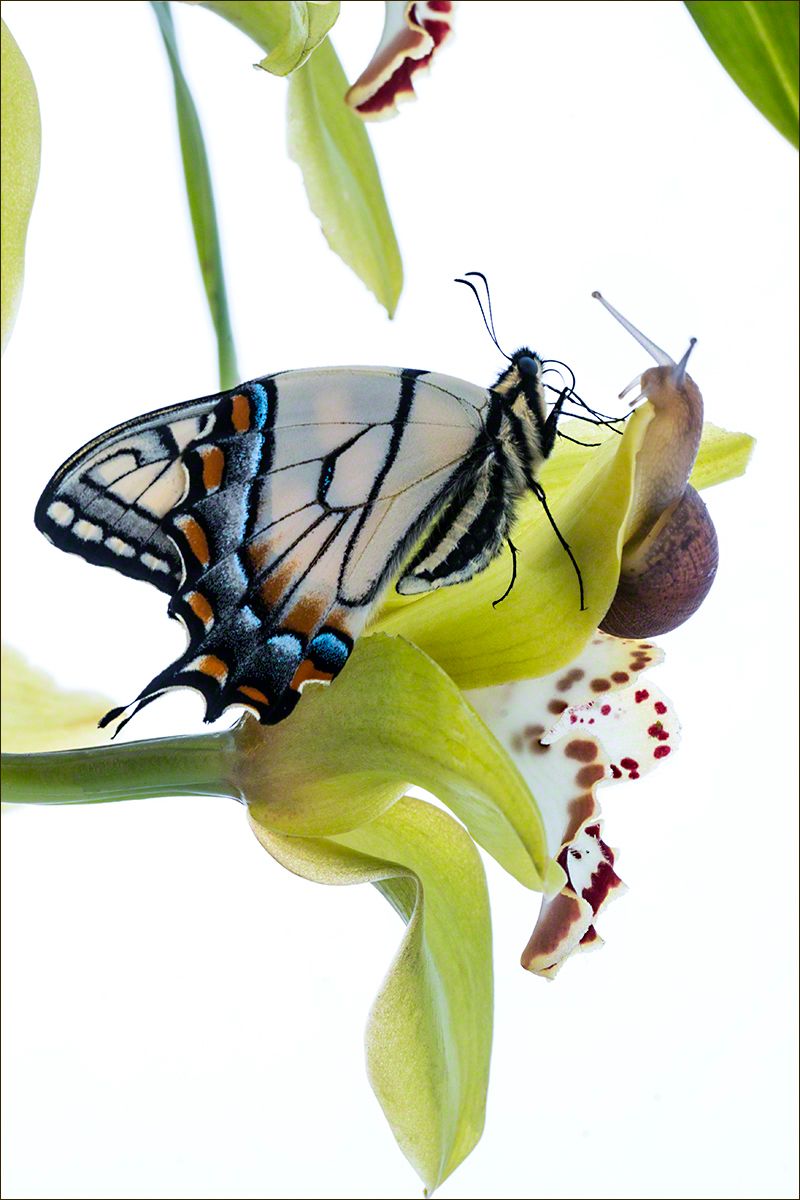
(276, 514)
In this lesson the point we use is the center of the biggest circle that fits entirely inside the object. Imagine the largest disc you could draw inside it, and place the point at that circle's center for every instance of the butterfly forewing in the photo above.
(275, 515)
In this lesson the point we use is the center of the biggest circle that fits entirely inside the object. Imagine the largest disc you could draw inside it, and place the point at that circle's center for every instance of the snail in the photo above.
(670, 554)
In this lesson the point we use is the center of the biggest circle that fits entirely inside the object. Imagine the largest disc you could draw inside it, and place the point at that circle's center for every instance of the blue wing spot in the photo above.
(260, 405)
(329, 651)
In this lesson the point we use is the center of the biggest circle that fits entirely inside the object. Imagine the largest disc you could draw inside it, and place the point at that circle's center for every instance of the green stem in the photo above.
(200, 194)
(201, 765)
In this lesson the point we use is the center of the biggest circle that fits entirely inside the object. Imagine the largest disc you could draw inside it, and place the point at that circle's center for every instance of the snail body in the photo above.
(671, 552)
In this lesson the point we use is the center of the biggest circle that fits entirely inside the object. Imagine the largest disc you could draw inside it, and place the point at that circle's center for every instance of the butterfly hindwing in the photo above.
(293, 501)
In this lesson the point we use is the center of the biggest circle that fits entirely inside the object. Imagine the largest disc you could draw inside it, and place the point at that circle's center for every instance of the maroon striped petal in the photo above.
(412, 33)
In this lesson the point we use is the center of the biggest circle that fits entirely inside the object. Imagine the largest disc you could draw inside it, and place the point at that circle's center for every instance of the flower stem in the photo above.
(200, 765)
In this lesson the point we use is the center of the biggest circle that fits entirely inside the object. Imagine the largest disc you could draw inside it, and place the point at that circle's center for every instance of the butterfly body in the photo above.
(276, 514)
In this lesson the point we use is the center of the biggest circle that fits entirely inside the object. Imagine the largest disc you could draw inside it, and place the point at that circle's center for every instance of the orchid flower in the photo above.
(432, 697)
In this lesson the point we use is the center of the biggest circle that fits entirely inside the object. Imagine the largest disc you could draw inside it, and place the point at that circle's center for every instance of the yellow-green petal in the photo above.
(430, 1029)
(20, 141)
(38, 715)
(391, 719)
(287, 30)
(538, 628)
(331, 147)
(722, 456)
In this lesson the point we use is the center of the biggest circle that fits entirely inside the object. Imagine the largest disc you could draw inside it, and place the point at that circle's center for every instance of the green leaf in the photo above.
(289, 32)
(430, 1029)
(38, 715)
(391, 719)
(757, 44)
(21, 135)
(200, 194)
(332, 148)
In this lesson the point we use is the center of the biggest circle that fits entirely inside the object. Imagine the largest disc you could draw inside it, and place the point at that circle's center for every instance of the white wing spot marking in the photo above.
(61, 513)
(155, 564)
(119, 547)
(88, 532)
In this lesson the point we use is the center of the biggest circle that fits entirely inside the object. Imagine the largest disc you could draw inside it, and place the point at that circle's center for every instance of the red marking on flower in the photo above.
(604, 880)
(592, 831)
(605, 710)
(655, 729)
(556, 707)
(620, 676)
(660, 707)
(590, 936)
(572, 718)
(615, 771)
(661, 751)
(630, 764)
(663, 736)
(642, 695)
(633, 775)
(600, 685)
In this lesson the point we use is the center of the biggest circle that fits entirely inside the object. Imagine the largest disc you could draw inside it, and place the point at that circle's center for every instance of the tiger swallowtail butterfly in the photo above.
(275, 515)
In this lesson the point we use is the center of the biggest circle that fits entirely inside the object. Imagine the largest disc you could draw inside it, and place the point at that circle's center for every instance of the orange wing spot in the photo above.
(275, 585)
(253, 694)
(240, 412)
(307, 672)
(213, 465)
(195, 536)
(201, 608)
(209, 664)
(306, 616)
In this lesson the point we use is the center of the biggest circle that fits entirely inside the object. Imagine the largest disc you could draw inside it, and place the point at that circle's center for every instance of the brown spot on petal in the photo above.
(557, 707)
(600, 685)
(579, 810)
(620, 676)
(556, 921)
(532, 735)
(584, 751)
(589, 775)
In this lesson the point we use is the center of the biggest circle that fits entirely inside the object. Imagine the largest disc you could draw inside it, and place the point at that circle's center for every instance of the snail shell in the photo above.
(671, 552)
(674, 570)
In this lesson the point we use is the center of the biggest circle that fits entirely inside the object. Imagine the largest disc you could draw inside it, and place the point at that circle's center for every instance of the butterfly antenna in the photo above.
(480, 275)
(507, 592)
(539, 493)
(489, 328)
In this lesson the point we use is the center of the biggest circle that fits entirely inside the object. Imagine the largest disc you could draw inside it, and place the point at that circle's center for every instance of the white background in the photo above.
(183, 1018)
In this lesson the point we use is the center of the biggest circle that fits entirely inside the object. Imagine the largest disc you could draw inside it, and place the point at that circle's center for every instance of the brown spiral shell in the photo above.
(668, 575)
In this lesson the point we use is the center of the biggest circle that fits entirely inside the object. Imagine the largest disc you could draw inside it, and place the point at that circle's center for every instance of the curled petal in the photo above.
(592, 722)
(430, 1029)
(412, 33)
